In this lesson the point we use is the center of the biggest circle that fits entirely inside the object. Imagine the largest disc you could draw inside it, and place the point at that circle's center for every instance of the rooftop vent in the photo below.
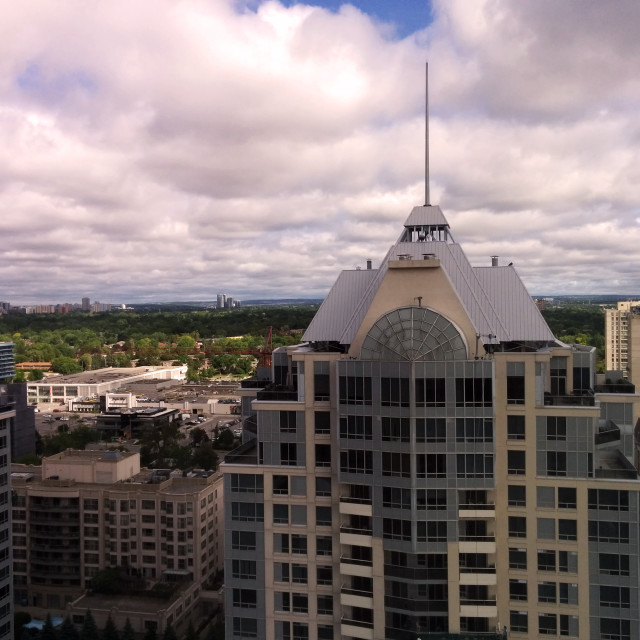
(494, 261)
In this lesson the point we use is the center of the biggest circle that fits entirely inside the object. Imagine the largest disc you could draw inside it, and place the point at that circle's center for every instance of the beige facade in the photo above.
(432, 461)
(91, 510)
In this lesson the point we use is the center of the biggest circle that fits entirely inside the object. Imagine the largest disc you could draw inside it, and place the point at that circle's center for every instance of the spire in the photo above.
(427, 198)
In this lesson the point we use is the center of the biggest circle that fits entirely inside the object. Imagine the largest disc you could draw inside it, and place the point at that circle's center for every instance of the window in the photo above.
(282, 601)
(324, 546)
(356, 461)
(556, 463)
(613, 564)
(298, 544)
(517, 558)
(288, 454)
(608, 500)
(517, 495)
(323, 487)
(558, 370)
(430, 392)
(281, 572)
(547, 592)
(515, 383)
(244, 598)
(431, 430)
(396, 529)
(322, 423)
(281, 543)
(396, 498)
(432, 531)
(474, 465)
(298, 485)
(299, 573)
(546, 497)
(517, 527)
(546, 560)
(515, 428)
(615, 597)
(281, 485)
(321, 384)
(245, 627)
(567, 530)
(519, 621)
(325, 605)
(431, 499)
(396, 464)
(546, 528)
(617, 532)
(299, 603)
(287, 421)
(547, 624)
(355, 390)
(556, 428)
(323, 516)
(356, 427)
(298, 514)
(247, 511)
(516, 464)
(474, 430)
(568, 561)
(395, 429)
(518, 590)
(323, 455)
(324, 575)
(615, 629)
(567, 498)
(247, 483)
(394, 392)
(569, 624)
(300, 631)
(431, 465)
(325, 632)
(280, 514)
(474, 392)
(568, 593)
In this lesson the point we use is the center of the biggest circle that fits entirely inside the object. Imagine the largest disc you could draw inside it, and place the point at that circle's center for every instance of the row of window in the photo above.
(567, 530)
(429, 392)
(548, 623)
(427, 465)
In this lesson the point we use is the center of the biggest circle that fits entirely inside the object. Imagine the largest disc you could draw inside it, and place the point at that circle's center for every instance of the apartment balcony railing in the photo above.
(356, 592)
(253, 383)
(357, 530)
(357, 623)
(480, 507)
(616, 387)
(276, 393)
(607, 434)
(356, 561)
(575, 400)
(471, 537)
(477, 569)
(491, 602)
(351, 500)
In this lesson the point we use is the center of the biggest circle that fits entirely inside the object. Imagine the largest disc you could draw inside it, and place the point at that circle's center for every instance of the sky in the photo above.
(182, 148)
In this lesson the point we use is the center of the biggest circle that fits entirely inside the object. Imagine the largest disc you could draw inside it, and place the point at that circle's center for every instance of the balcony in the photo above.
(475, 511)
(349, 506)
(615, 387)
(246, 453)
(607, 433)
(614, 465)
(253, 383)
(574, 400)
(277, 393)
(355, 629)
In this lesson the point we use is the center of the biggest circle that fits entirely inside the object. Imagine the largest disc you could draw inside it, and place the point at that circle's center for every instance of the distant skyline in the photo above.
(262, 147)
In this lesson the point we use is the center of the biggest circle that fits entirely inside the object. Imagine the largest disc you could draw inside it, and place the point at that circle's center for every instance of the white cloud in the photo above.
(172, 152)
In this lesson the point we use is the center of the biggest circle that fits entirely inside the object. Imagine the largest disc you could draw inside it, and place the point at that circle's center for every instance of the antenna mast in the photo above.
(427, 200)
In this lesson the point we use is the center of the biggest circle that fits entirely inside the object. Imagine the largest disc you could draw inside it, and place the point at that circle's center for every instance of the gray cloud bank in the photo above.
(171, 150)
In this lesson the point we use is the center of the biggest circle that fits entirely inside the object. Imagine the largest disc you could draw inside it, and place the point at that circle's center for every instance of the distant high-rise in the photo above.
(619, 329)
(86, 304)
(222, 299)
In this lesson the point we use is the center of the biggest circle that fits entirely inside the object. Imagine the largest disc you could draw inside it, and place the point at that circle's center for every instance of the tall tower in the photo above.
(86, 304)
(222, 299)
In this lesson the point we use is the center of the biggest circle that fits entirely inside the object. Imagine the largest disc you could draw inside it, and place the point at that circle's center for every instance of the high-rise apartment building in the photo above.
(431, 459)
(86, 304)
(221, 301)
(7, 424)
(622, 325)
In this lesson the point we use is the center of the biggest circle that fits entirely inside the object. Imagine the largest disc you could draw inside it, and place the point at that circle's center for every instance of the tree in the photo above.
(35, 375)
(89, 629)
(204, 457)
(150, 634)
(127, 631)
(65, 365)
(20, 377)
(68, 631)
(110, 631)
(198, 435)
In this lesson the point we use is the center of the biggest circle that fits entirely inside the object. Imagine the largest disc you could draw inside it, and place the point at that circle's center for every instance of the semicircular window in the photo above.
(413, 333)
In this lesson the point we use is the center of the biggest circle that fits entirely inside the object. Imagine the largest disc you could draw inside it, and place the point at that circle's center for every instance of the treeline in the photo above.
(582, 324)
(80, 342)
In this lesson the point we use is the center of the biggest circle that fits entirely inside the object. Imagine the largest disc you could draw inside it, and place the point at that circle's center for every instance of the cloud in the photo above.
(259, 149)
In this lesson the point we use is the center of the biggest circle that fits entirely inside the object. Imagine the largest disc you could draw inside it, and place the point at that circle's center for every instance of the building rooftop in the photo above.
(100, 375)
